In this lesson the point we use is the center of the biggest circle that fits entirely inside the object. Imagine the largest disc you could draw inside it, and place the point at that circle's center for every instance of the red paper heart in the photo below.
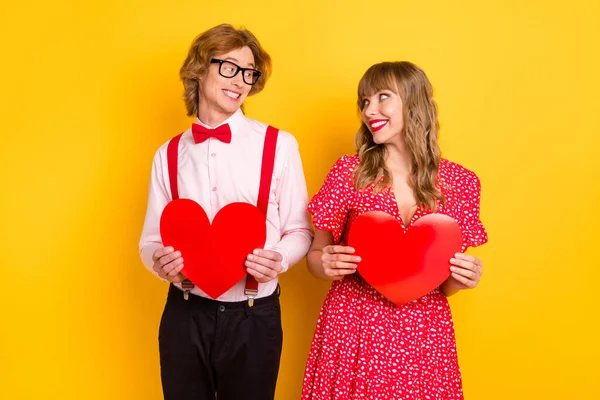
(404, 267)
(213, 255)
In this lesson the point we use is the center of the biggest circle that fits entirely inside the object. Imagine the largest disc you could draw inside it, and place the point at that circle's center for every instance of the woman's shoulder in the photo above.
(345, 165)
(452, 173)
(457, 182)
(347, 161)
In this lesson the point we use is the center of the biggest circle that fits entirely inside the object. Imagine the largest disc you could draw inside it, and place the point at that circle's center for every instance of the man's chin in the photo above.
(231, 107)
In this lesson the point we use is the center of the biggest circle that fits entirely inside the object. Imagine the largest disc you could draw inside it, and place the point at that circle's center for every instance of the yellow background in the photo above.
(91, 89)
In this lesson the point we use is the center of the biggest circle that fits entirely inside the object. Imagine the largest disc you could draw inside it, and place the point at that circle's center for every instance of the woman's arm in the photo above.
(328, 261)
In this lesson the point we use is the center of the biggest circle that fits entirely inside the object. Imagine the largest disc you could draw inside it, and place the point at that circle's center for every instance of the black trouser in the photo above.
(210, 348)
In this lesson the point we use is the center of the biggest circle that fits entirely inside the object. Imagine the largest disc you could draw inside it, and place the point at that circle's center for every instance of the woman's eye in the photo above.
(365, 103)
(383, 96)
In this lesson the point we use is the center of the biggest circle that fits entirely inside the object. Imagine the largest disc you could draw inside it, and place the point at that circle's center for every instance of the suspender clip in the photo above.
(251, 293)
(187, 285)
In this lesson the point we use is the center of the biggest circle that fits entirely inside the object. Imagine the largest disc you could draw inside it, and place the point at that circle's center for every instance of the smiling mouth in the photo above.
(231, 94)
(378, 124)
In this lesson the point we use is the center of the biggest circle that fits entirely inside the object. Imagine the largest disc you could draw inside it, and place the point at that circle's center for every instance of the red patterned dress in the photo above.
(365, 347)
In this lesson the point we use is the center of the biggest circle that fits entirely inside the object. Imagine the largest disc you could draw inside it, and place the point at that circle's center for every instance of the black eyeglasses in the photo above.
(227, 69)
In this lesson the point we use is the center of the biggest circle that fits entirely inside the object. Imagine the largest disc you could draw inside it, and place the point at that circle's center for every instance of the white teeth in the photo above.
(378, 124)
(231, 94)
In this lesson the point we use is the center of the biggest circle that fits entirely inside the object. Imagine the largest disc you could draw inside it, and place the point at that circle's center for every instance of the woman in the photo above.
(366, 347)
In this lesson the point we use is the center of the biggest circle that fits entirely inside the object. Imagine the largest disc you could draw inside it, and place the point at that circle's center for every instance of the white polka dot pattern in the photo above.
(365, 347)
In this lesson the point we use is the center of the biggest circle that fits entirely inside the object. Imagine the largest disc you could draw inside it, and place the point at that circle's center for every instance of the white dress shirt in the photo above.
(215, 174)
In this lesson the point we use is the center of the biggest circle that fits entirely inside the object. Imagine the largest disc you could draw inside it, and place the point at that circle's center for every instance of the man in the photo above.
(227, 347)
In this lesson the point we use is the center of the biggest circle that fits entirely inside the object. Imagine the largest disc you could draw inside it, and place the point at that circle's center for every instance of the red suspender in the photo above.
(266, 172)
(266, 175)
(172, 154)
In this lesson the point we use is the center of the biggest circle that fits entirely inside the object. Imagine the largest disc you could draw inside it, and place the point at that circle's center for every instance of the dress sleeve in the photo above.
(473, 231)
(329, 207)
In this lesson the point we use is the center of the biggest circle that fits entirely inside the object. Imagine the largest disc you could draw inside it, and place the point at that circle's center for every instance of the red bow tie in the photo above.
(223, 133)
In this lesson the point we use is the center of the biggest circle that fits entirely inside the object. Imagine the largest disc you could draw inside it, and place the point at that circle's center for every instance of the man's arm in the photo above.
(296, 233)
(158, 197)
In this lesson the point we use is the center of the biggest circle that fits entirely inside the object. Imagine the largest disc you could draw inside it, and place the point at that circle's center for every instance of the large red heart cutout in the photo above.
(213, 255)
(404, 267)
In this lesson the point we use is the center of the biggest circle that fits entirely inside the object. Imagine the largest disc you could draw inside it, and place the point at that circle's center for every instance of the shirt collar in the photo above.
(235, 121)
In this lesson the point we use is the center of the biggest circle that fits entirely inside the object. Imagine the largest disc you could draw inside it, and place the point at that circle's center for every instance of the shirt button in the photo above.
(214, 189)
(212, 154)
(221, 308)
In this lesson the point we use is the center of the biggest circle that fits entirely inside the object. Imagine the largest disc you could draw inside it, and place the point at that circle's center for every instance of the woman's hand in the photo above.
(339, 261)
(466, 271)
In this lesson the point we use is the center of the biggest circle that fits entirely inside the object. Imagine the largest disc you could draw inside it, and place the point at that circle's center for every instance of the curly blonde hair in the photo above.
(420, 132)
(218, 40)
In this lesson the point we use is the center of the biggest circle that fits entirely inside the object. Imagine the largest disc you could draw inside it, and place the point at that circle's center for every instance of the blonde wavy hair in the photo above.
(218, 40)
(420, 132)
